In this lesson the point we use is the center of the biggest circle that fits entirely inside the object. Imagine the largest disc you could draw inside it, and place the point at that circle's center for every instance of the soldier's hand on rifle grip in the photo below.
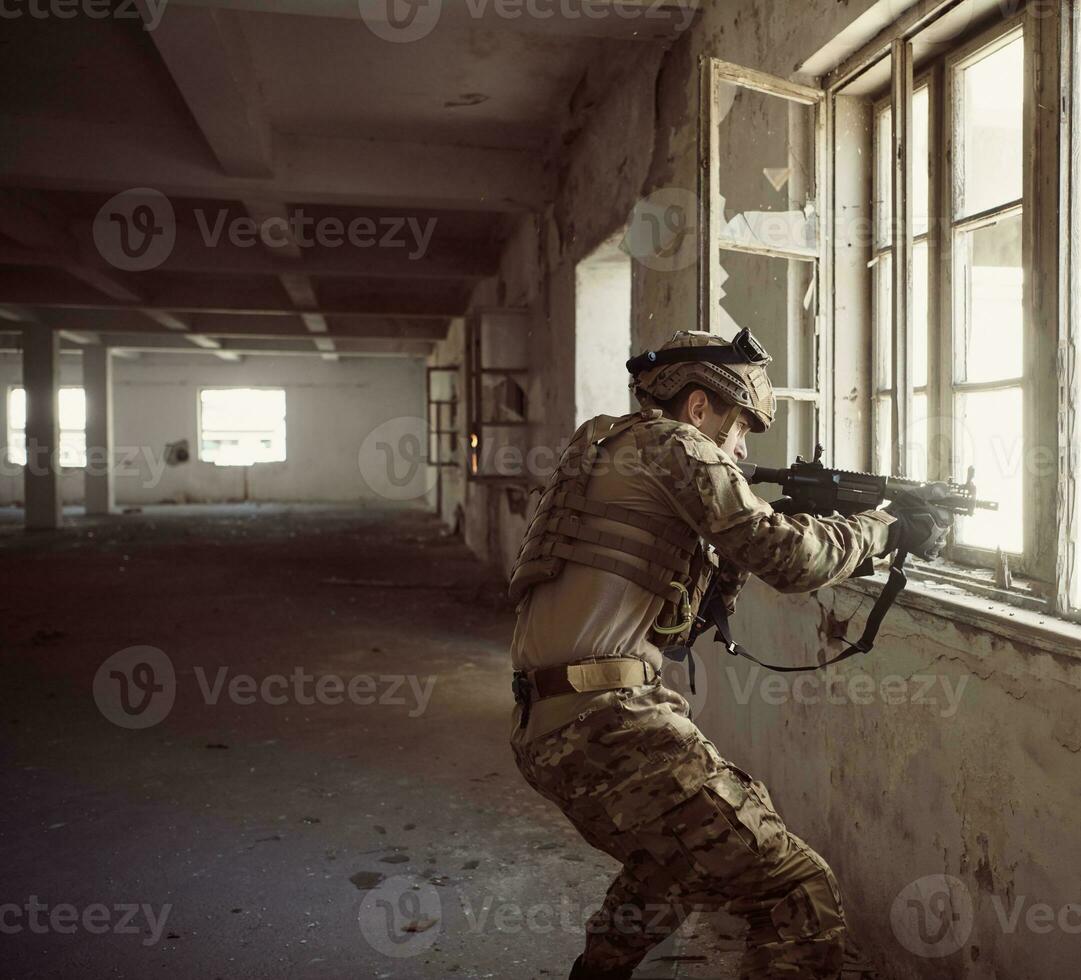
(920, 528)
(786, 506)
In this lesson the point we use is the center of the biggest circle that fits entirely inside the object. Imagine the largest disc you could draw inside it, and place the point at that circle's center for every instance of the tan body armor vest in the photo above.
(564, 529)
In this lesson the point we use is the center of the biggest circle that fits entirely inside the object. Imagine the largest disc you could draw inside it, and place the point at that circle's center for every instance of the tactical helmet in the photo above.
(735, 370)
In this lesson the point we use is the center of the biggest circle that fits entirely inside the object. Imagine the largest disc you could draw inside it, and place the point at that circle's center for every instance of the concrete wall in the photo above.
(981, 784)
(331, 409)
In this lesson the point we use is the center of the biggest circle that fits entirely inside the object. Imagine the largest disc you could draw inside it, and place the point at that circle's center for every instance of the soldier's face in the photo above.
(734, 442)
(730, 434)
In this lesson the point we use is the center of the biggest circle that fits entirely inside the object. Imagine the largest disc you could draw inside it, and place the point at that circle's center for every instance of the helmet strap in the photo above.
(729, 423)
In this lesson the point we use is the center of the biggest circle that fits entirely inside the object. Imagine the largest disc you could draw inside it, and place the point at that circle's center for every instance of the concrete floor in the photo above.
(391, 837)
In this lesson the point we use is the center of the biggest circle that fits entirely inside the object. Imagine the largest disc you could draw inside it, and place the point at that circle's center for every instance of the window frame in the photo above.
(199, 422)
(1050, 524)
(1068, 542)
(927, 78)
(477, 369)
(714, 72)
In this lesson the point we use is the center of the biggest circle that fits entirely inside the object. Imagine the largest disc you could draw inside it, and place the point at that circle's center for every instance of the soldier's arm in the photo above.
(791, 553)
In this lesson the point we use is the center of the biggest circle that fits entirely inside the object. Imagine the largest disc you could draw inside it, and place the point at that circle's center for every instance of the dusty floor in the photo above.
(391, 837)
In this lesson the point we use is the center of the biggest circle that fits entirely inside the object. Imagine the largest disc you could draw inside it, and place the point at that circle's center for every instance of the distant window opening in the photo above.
(241, 426)
(603, 332)
(72, 427)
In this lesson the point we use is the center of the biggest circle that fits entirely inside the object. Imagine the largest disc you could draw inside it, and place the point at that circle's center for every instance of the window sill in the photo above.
(954, 603)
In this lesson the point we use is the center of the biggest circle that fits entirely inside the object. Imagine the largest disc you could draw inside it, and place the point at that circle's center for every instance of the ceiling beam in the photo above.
(207, 327)
(25, 219)
(254, 346)
(208, 58)
(187, 298)
(410, 251)
(113, 157)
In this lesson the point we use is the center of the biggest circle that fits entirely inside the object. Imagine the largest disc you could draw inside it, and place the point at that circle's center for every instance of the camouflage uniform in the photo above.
(640, 782)
(628, 768)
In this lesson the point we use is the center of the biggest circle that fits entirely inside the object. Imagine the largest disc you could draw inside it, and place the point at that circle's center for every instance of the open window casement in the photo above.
(763, 241)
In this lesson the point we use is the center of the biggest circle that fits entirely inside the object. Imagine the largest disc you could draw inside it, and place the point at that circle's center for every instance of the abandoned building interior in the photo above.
(300, 301)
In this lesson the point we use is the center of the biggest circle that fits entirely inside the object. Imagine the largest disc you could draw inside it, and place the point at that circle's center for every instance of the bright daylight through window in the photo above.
(72, 427)
(967, 311)
(242, 426)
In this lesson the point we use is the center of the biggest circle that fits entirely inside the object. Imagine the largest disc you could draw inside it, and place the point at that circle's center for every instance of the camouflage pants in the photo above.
(640, 782)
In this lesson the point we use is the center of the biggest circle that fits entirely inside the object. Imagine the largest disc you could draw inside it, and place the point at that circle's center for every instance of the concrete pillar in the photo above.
(41, 379)
(98, 384)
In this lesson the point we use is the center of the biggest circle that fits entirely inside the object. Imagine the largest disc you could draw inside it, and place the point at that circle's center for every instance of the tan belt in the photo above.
(581, 678)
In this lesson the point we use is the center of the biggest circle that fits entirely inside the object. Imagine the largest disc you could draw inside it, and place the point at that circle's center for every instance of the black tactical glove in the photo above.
(921, 528)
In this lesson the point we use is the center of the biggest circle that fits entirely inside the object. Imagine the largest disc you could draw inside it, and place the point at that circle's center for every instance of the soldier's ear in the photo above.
(697, 406)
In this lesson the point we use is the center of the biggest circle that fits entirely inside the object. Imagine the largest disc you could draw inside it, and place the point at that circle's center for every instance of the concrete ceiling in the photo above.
(238, 111)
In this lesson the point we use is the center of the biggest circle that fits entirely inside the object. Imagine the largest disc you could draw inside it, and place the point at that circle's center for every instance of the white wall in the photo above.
(602, 332)
(331, 408)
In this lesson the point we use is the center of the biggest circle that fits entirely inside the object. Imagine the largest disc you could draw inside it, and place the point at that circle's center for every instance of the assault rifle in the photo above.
(814, 489)
(809, 487)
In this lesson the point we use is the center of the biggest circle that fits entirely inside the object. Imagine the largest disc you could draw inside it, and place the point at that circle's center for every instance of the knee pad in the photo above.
(810, 910)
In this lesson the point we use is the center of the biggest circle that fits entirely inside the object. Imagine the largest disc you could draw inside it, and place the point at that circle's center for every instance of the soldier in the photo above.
(617, 551)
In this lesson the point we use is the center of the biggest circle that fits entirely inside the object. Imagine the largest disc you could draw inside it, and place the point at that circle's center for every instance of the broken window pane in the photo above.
(991, 104)
(778, 135)
(989, 318)
(989, 435)
(776, 299)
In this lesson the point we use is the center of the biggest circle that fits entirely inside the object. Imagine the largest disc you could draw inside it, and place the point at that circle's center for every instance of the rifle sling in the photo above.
(717, 615)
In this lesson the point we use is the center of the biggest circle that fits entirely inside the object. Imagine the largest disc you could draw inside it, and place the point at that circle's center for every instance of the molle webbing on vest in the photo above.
(565, 528)
(675, 534)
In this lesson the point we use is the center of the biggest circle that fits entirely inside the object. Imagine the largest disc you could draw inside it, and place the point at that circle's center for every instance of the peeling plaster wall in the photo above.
(950, 750)
(984, 787)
